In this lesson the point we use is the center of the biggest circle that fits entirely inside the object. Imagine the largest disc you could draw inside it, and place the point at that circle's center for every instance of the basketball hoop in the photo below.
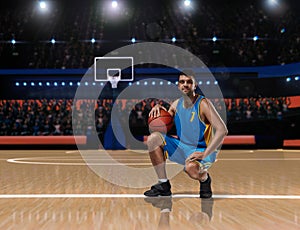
(114, 81)
(110, 69)
(114, 76)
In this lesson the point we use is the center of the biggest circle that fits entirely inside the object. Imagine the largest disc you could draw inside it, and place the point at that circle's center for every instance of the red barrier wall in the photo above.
(42, 140)
(239, 140)
(70, 140)
(291, 143)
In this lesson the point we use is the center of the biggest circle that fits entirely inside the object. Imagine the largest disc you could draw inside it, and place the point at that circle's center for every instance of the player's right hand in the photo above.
(155, 111)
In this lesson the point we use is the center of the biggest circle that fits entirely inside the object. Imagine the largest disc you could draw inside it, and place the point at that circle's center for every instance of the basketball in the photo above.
(162, 124)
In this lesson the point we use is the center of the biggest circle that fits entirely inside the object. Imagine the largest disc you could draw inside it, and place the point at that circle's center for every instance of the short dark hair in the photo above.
(187, 72)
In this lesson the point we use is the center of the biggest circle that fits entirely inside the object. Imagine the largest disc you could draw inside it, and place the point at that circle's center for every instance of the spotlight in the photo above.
(255, 38)
(53, 41)
(70, 83)
(282, 30)
(187, 3)
(24, 84)
(13, 41)
(173, 39)
(47, 84)
(275, 7)
(32, 83)
(214, 39)
(207, 82)
(17, 84)
(288, 79)
(153, 83)
(63, 83)
(296, 78)
(43, 5)
(216, 82)
(55, 83)
(93, 40)
(40, 84)
(133, 40)
(114, 4)
(273, 2)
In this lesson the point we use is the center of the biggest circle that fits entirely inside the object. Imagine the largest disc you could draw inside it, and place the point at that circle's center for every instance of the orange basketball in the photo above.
(162, 124)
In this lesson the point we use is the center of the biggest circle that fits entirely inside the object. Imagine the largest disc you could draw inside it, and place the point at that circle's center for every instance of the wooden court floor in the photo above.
(253, 189)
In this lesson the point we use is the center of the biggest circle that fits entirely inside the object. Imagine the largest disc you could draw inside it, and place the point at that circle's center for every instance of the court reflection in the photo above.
(201, 216)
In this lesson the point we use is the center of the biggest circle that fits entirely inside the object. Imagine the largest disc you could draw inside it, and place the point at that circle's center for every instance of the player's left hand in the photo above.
(196, 156)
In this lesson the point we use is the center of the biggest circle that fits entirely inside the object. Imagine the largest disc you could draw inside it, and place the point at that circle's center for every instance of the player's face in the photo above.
(186, 85)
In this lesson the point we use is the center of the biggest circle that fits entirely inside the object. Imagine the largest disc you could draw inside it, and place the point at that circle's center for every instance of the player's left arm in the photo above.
(209, 114)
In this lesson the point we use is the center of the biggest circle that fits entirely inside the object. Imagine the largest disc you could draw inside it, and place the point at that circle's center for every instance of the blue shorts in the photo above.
(177, 151)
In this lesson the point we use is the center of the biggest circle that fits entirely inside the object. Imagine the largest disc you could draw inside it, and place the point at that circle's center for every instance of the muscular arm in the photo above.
(172, 109)
(155, 110)
(210, 115)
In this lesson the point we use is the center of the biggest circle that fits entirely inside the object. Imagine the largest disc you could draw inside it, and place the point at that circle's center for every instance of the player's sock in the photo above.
(162, 180)
(204, 179)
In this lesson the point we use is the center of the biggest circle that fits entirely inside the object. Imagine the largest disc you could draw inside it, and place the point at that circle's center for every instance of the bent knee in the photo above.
(192, 169)
(154, 140)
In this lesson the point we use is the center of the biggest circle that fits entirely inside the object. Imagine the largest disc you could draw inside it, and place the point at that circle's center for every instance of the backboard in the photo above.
(113, 69)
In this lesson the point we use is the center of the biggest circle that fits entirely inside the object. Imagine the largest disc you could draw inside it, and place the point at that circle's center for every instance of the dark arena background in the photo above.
(252, 50)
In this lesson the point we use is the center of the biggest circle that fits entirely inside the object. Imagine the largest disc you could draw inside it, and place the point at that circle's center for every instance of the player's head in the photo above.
(186, 82)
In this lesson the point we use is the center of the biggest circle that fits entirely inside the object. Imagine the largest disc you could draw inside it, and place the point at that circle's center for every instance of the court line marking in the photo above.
(25, 196)
(21, 161)
(25, 161)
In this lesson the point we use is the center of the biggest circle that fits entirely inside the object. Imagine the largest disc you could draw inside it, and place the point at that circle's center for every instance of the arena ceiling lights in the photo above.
(114, 4)
(43, 6)
(275, 7)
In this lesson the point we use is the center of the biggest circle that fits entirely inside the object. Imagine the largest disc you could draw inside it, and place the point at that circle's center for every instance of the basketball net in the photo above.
(114, 81)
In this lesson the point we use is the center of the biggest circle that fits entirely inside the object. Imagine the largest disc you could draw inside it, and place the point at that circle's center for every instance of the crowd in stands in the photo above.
(257, 108)
(74, 25)
(41, 117)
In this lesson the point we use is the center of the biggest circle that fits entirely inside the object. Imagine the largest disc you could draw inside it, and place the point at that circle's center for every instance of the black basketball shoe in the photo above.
(159, 189)
(205, 188)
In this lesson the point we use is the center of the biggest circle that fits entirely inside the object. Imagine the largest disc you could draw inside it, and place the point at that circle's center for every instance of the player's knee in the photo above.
(192, 169)
(154, 140)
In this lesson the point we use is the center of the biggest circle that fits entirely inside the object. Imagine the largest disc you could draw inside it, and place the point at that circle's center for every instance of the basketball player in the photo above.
(195, 146)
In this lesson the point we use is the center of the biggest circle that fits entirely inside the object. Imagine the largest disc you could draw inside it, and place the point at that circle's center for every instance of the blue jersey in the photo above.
(192, 135)
(191, 130)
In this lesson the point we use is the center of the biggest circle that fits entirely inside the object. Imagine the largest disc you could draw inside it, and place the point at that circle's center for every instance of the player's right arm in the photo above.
(155, 111)
(172, 109)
